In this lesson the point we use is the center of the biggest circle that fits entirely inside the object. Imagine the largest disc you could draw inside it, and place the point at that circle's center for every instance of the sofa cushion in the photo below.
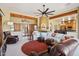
(58, 37)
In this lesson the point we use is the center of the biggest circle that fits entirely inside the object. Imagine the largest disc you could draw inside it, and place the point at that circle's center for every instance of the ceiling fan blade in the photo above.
(46, 10)
(50, 11)
(39, 10)
(46, 15)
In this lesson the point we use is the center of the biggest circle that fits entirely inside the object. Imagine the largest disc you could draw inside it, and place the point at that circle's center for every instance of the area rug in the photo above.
(35, 46)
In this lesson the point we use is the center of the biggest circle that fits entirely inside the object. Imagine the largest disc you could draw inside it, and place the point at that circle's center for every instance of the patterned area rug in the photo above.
(35, 46)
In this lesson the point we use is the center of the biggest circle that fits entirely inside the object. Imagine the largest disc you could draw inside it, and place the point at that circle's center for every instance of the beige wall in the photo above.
(5, 19)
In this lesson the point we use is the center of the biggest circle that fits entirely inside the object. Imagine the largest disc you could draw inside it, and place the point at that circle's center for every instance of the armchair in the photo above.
(10, 39)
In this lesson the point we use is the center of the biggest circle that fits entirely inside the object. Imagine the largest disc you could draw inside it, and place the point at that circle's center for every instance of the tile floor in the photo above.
(15, 49)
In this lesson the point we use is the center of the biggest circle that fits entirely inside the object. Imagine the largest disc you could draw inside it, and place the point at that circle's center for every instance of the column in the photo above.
(78, 23)
(38, 23)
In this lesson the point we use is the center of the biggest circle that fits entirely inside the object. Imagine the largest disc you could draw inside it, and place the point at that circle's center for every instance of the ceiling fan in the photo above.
(45, 11)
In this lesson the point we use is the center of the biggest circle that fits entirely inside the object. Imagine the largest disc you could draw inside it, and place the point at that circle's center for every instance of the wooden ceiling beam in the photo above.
(63, 14)
(21, 16)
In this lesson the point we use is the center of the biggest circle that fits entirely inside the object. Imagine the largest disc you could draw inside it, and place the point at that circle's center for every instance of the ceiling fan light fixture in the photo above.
(45, 11)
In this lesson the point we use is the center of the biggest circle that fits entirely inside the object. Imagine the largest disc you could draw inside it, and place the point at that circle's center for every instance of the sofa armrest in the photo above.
(61, 48)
